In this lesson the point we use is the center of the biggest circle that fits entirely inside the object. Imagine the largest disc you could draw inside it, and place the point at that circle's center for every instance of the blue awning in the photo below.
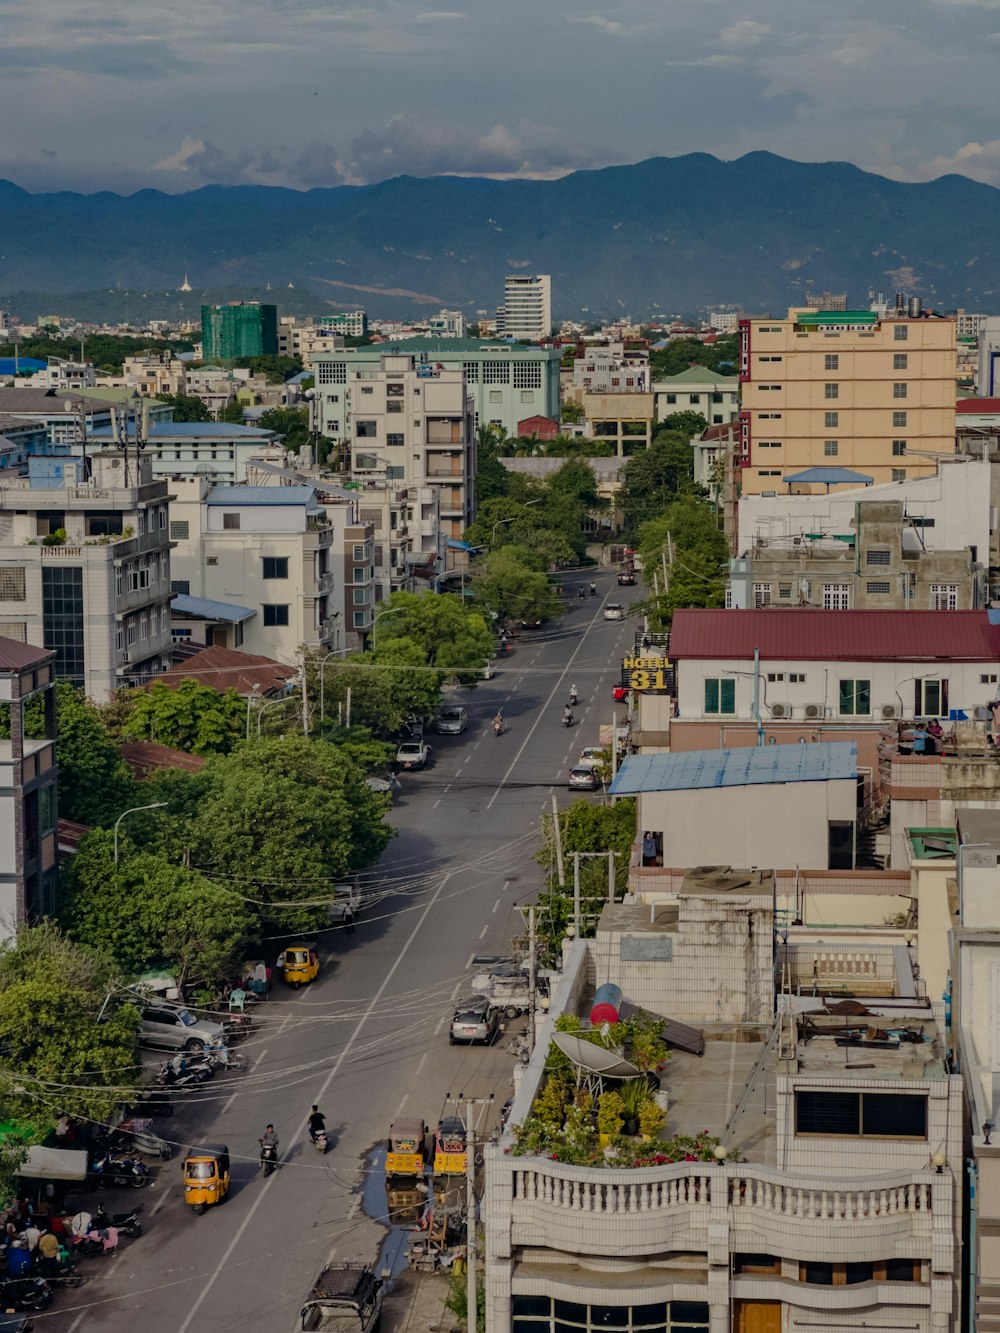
(205, 608)
(455, 545)
(829, 476)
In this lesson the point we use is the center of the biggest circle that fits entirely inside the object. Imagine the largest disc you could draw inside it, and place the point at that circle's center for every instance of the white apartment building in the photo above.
(698, 389)
(725, 321)
(527, 307)
(274, 550)
(85, 567)
(60, 375)
(447, 324)
(154, 373)
(348, 323)
(969, 323)
(613, 369)
(214, 450)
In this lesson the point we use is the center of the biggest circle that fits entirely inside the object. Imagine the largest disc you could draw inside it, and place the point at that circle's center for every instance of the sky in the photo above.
(119, 95)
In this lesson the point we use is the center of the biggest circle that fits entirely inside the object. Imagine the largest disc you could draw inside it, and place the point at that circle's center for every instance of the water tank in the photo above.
(607, 1004)
(913, 307)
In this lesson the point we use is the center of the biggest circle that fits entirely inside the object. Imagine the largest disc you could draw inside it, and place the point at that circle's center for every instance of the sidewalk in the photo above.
(415, 1304)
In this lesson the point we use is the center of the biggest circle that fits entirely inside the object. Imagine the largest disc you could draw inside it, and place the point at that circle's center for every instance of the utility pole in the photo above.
(614, 745)
(557, 834)
(532, 979)
(576, 893)
(611, 877)
(471, 1239)
(348, 714)
(305, 701)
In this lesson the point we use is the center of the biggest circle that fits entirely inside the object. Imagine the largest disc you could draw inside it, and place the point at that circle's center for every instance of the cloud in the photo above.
(745, 32)
(597, 21)
(980, 161)
(440, 15)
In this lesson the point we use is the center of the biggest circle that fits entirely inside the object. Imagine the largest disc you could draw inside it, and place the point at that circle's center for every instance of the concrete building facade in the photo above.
(697, 389)
(846, 390)
(527, 307)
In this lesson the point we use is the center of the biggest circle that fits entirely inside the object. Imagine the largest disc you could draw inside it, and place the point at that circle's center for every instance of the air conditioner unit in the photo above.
(889, 711)
(814, 710)
(781, 710)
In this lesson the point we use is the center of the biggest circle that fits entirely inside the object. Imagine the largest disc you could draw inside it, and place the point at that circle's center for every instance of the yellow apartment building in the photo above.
(845, 397)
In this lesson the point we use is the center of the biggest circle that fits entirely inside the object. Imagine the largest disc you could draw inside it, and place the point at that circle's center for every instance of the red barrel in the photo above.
(607, 1004)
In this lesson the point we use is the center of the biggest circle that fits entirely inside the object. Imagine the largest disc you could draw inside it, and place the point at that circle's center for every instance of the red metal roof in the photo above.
(145, 757)
(17, 656)
(977, 405)
(228, 668)
(801, 634)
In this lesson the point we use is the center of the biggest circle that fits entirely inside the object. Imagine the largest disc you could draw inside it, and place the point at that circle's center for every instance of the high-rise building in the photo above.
(826, 301)
(527, 307)
(349, 323)
(833, 398)
(238, 329)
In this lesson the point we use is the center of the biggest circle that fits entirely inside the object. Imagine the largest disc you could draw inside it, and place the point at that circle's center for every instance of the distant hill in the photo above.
(665, 235)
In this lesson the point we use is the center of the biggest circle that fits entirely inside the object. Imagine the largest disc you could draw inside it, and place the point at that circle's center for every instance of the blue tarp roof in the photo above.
(822, 761)
(8, 366)
(207, 609)
(831, 476)
(261, 495)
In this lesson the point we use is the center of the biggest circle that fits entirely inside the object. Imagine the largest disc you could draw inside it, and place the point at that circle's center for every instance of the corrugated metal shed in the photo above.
(830, 476)
(262, 495)
(835, 636)
(693, 770)
(206, 608)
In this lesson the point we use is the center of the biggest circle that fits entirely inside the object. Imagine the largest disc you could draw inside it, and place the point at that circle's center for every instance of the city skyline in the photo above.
(305, 96)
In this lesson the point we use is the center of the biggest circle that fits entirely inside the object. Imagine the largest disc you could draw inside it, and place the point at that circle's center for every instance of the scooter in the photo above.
(268, 1158)
(25, 1293)
(574, 698)
(319, 1141)
(567, 719)
(583, 595)
(109, 1170)
(593, 590)
(97, 1242)
(127, 1223)
(498, 726)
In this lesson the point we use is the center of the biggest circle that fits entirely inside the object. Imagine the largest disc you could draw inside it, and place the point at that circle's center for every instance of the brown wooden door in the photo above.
(758, 1317)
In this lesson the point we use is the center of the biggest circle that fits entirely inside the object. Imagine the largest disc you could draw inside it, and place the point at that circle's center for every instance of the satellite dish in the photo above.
(594, 1059)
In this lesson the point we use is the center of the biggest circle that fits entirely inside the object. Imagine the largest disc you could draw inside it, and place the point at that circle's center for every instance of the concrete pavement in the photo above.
(367, 1041)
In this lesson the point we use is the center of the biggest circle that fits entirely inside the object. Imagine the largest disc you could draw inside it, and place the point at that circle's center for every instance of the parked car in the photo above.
(413, 754)
(619, 693)
(592, 756)
(583, 779)
(475, 1021)
(614, 611)
(453, 720)
(178, 1029)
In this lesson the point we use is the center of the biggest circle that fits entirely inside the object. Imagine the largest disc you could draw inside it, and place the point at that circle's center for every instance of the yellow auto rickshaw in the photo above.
(450, 1148)
(206, 1176)
(405, 1149)
(299, 964)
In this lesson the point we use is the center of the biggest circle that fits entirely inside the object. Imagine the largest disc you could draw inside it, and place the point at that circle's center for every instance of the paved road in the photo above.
(367, 1040)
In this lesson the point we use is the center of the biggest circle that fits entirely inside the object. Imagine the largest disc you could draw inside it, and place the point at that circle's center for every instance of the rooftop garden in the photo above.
(621, 1127)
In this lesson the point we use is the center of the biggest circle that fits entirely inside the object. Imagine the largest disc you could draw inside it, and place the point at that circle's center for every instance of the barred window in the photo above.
(496, 372)
(12, 583)
(470, 369)
(179, 529)
(527, 375)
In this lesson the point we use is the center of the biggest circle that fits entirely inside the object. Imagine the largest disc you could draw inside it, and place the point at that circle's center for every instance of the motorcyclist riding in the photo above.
(593, 588)
(573, 696)
(583, 595)
(269, 1139)
(498, 724)
(567, 715)
(317, 1122)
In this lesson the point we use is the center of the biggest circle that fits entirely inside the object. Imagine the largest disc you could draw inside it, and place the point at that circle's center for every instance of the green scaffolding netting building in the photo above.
(238, 329)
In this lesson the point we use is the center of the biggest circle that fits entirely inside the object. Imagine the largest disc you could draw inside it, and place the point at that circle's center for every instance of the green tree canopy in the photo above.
(509, 585)
(95, 785)
(652, 479)
(187, 406)
(448, 633)
(290, 422)
(689, 424)
(700, 555)
(680, 353)
(192, 717)
(275, 369)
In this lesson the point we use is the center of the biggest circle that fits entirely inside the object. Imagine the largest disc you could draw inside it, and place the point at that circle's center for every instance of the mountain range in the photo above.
(662, 236)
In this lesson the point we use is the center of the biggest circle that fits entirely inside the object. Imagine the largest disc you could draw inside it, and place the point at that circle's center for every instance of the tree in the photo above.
(232, 412)
(67, 1046)
(688, 424)
(187, 406)
(571, 413)
(290, 422)
(699, 555)
(508, 585)
(381, 697)
(95, 785)
(680, 353)
(275, 369)
(652, 479)
(449, 634)
(146, 912)
(192, 717)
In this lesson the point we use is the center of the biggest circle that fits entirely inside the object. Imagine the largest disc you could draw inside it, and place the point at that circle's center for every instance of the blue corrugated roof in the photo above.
(261, 495)
(186, 430)
(823, 761)
(10, 366)
(209, 609)
(831, 476)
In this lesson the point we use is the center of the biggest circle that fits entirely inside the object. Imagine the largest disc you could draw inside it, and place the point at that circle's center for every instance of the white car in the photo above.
(614, 611)
(592, 756)
(413, 754)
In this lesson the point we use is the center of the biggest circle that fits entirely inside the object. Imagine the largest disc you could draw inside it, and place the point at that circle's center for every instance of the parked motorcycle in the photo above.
(95, 1243)
(127, 1223)
(25, 1293)
(61, 1272)
(111, 1170)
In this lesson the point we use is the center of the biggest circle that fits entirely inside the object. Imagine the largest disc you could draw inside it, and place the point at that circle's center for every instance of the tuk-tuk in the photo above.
(299, 964)
(450, 1148)
(206, 1176)
(405, 1149)
(405, 1204)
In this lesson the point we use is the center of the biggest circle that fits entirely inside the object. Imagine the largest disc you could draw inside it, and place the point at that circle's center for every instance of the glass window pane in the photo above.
(858, 1273)
(900, 1270)
(643, 1315)
(728, 693)
(827, 1113)
(689, 1311)
(531, 1305)
(889, 1115)
(608, 1316)
(820, 1274)
(711, 696)
(576, 1314)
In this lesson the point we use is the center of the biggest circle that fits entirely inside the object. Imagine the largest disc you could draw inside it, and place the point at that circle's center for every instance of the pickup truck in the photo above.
(345, 907)
(506, 988)
(345, 1298)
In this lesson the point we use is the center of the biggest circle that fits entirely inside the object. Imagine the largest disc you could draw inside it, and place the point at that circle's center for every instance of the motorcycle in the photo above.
(268, 1158)
(110, 1170)
(25, 1293)
(498, 726)
(319, 1141)
(583, 595)
(593, 590)
(128, 1224)
(567, 719)
(183, 1072)
(94, 1243)
(574, 698)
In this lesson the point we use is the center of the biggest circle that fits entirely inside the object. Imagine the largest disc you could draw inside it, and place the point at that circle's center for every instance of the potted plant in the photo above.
(649, 1050)
(550, 1105)
(652, 1118)
(634, 1094)
(610, 1115)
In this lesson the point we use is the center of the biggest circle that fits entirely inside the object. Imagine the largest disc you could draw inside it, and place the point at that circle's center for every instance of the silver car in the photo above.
(178, 1029)
(475, 1021)
(452, 721)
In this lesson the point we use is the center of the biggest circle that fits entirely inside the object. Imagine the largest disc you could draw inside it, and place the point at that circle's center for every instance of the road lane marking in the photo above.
(353, 1213)
(334, 1071)
(399, 1108)
(458, 987)
(495, 906)
(472, 959)
(158, 1205)
(420, 1066)
(229, 1100)
(436, 803)
(437, 1033)
(482, 933)
(77, 1321)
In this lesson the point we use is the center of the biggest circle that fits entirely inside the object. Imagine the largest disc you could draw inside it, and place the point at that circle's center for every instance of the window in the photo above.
(764, 388)
(694, 398)
(831, 420)
(394, 389)
(360, 619)
(275, 615)
(231, 522)
(987, 680)
(720, 696)
(761, 594)
(62, 617)
(868, 1115)
(496, 372)
(879, 589)
(395, 441)
(718, 398)
(767, 358)
(773, 472)
(769, 444)
(901, 332)
(749, 1264)
(546, 1314)
(367, 388)
(831, 390)
(182, 586)
(796, 678)
(898, 420)
(496, 396)
(944, 596)
(877, 558)
(784, 590)
(394, 405)
(836, 596)
(855, 698)
(211, 560)
(899, 389)
(163, 517)
(899, 474)
(361, 552)
(930, 698)
(179, 529)
(365, 430)
(831, 361)
(774, 676)
(527, 375)
(768, 416)
(898, 448)
(899, 361)
(671, 398)
(12, 588)
(275, 566)
(831, 448)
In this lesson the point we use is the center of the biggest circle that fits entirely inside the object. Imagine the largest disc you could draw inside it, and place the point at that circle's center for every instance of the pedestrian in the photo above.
(32, 1235)
(649, 848)
(920, 739)
(48, 1249)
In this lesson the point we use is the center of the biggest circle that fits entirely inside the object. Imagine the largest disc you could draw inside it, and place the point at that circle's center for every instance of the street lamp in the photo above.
(501, 521)
(334, 652)
(251, 699)
(157, 805)
(389, 611)
(272, 704)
